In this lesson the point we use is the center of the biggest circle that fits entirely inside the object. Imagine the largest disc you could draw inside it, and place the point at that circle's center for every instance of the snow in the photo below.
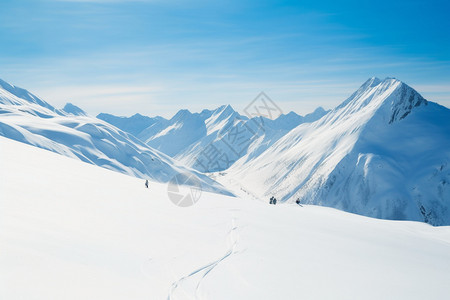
(71, 230)
(134, 124)
(181, 131)
(23, 96)
(28, 119)
(74, 110)
(384, 152)
(188, 136)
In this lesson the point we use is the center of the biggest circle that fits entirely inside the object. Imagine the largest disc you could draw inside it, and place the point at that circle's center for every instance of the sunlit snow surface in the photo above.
(71, 230)
(27, 118)
(384, 152)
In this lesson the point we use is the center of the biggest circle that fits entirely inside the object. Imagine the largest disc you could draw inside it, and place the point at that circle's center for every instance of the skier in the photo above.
(273, 200)
(146, 183)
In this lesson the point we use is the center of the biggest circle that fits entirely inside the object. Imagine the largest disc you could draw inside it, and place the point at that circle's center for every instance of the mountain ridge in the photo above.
(186, 135)
(87, 139)
(383, 152)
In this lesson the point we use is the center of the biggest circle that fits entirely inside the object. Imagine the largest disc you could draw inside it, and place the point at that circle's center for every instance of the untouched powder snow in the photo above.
(70, 230)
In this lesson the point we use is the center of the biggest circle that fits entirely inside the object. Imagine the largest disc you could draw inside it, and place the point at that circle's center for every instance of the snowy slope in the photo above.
(384, 152)
(29, 119)
(104, 236)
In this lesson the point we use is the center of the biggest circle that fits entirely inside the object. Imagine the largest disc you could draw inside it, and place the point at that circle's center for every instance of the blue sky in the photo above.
(155, 57)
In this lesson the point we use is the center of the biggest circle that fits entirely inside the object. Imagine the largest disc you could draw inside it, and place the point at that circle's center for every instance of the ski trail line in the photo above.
(233, 237)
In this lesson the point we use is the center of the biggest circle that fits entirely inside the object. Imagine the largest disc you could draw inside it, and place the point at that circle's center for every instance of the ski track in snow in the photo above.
(233, 237)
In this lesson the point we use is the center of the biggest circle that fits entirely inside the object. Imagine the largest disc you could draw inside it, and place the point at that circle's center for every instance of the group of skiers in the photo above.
(273, 200)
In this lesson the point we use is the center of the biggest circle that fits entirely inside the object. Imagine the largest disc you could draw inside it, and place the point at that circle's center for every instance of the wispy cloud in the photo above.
(134, 56)
(167, 77)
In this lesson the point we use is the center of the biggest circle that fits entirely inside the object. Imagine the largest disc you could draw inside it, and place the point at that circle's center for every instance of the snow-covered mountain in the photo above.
(74, 110)
(214, 139)
(384, 152)
(22, 97)
(27, 118)
(173, 136)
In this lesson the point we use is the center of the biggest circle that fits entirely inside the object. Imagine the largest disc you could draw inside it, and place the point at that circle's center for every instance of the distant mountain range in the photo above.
(190, 137)
(384, 152)
(134, 124)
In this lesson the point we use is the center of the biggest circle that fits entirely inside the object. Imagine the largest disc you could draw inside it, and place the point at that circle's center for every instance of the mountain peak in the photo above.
(74, 110)
(394, 98)
(401, 98)
(371, 82)
(181, 115)
(318, 113)
(405, 101)
(319, 110)
(227, 109)
(223, 112)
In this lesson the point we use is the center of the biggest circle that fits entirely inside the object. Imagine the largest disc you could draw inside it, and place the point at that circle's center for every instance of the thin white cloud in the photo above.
(167, 77)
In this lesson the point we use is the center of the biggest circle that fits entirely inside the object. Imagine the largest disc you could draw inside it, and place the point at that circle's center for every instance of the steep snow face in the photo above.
(384, 152)
(396, 170)
(74, 231)
(88, 139)
(178, 133)
(221, 119)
